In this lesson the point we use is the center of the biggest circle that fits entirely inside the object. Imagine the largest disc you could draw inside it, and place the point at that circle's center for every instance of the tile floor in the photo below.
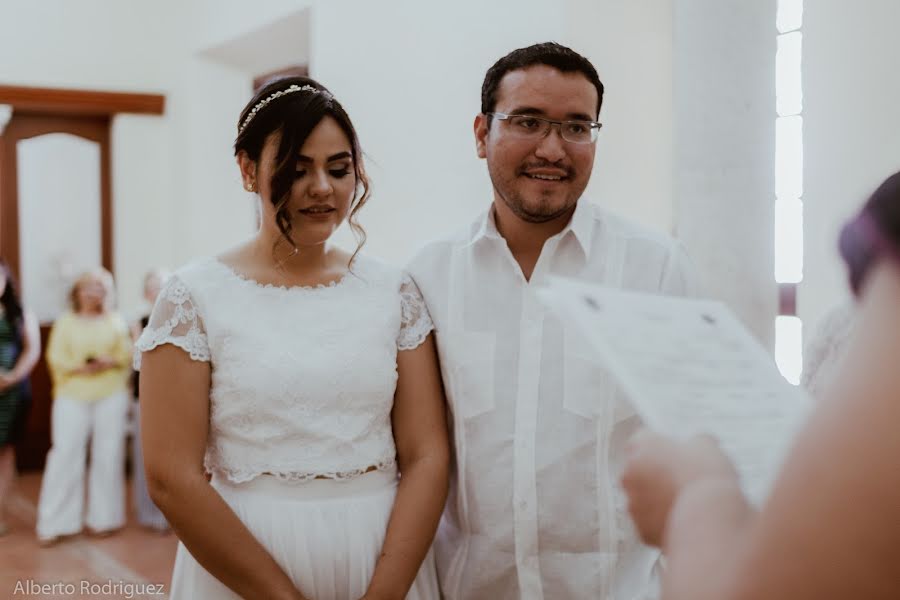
(132, 556)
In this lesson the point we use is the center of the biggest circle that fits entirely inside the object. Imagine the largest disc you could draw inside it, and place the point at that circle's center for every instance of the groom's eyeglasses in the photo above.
(531, 127)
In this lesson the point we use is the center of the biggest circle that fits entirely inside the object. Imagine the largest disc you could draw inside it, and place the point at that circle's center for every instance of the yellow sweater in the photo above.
(73, 340)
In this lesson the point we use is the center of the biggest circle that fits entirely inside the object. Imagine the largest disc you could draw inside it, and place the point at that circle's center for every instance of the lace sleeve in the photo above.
(415, 322)
(175, 320)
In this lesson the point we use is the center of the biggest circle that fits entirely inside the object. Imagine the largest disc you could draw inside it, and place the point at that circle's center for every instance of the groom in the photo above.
(538, 431)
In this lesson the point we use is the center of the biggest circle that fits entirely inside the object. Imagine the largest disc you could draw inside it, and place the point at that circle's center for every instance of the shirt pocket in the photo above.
(589, 390)
(467, 358)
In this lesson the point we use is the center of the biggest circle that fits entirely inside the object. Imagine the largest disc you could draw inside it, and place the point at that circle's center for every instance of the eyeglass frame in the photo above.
(594, 126)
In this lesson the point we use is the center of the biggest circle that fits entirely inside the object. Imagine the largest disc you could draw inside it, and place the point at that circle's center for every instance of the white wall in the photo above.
(214, 23)
(851, 89)
(724, 188)
(95, 44)
(631, 45)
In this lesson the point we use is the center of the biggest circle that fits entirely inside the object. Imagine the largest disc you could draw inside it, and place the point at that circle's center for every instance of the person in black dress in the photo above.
(20, 348)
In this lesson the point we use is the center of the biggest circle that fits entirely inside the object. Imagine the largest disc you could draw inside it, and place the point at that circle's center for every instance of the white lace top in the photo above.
(302, 379)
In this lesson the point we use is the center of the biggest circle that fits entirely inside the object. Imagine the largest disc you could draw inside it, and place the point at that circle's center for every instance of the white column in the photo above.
(724, 140)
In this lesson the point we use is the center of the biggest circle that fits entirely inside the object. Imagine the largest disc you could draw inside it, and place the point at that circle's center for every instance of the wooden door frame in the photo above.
(57, 101)
(25, 126)
(86, 114)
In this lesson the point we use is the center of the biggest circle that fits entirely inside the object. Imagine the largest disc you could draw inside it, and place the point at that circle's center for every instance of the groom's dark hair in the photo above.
(547, 53)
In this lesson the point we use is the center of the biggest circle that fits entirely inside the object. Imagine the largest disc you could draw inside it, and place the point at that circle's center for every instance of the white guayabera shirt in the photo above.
(535, 509)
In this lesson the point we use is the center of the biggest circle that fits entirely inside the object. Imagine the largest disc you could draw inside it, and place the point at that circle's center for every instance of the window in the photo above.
(789, 186)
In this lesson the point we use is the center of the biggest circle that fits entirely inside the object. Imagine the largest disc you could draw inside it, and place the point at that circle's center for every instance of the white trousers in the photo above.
(61, 507)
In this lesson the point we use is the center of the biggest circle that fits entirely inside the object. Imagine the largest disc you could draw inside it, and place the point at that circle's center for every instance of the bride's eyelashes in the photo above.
(336, 173)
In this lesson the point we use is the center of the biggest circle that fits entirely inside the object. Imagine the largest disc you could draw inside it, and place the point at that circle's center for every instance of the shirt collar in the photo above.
(581, 225)
(485, 227)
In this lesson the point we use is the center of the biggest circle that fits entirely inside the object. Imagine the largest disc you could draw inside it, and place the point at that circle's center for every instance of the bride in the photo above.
(303, 378)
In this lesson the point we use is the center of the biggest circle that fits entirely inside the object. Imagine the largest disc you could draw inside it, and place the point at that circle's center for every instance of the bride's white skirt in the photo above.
(325, 534)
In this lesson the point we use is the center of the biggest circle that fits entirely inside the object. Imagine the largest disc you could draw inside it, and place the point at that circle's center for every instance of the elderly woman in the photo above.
(89, 356)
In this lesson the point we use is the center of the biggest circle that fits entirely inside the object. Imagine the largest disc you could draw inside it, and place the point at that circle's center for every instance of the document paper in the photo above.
(688, 366)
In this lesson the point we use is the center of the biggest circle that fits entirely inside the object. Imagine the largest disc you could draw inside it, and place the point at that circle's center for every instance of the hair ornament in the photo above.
(276, 95)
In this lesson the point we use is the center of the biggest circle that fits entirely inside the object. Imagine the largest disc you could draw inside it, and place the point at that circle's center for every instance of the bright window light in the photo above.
(789, 157)
(788, 89)
(789, 347)
(789, 241)
(789, 181)
(789, 16)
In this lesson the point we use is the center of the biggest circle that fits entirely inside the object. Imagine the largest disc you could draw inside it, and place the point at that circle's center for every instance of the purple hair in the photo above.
(874, 233)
